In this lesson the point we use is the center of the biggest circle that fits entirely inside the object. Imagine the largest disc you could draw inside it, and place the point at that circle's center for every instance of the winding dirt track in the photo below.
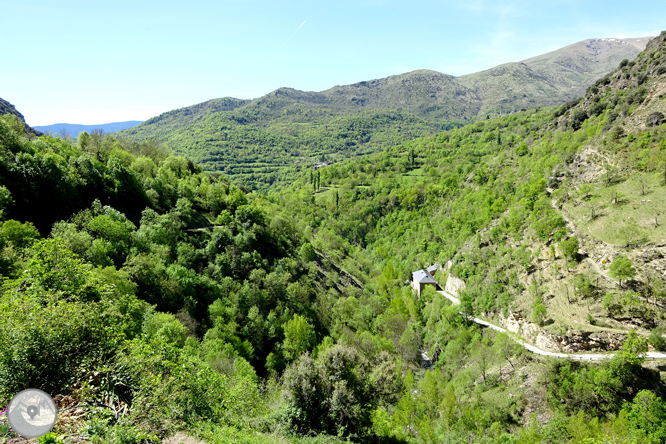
(539, 351)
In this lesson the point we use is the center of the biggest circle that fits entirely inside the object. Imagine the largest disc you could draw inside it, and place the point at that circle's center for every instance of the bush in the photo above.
(654, 119)
(54, 322)
(657, 338)
(169, 390)
(577, 118)
(333, 394)
(570, 248)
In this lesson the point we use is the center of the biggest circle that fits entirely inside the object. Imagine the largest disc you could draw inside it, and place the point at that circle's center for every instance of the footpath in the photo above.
(577, 356)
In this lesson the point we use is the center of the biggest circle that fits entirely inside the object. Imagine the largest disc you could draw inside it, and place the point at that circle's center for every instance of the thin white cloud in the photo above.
(290, 36)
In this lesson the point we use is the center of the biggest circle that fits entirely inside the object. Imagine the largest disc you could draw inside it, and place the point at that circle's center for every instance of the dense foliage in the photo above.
(258, 146)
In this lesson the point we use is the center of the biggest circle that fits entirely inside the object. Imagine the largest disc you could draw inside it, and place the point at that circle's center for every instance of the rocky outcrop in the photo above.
(569, 343)
(454, 285)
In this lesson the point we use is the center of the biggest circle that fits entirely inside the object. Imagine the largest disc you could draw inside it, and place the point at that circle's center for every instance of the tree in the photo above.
(507, 348)
(165, 326)
(612, 307)
(584, 285)
(308, 253)
(657, 338)
(84, 140)
(20, 235)
(584, 190)
(634, 349)
(570, 248)
(609, 175)
(594, 212)
(632, 234)
(655, 118)
(539, 312)
(621, 268)
(5, 200)
(334, 394)
(647, 414)
(299, 336)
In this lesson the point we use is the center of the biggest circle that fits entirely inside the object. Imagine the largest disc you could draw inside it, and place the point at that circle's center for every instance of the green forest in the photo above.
(150, 297)
(273, 142)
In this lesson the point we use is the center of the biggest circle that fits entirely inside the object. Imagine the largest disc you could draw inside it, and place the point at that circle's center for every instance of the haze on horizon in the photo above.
(77, 62)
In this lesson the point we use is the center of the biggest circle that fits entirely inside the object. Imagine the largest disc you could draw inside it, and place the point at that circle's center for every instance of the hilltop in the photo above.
(8, 108)
(271, 138)
(552, 78)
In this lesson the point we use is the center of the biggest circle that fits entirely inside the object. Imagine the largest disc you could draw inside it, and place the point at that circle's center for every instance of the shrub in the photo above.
(570, 248)
(54, 322)
(169, 390)
(333, 394)
(654, 119)
(657, 338)
(621, 268)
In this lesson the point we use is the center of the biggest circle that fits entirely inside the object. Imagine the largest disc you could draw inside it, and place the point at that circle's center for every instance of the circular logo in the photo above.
(32, 413)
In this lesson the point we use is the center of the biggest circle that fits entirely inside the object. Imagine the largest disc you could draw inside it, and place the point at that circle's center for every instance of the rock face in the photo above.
(454, 285)
(569, 343)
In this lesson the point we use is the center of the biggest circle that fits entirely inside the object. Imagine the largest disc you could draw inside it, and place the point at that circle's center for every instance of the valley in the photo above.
(159, 295)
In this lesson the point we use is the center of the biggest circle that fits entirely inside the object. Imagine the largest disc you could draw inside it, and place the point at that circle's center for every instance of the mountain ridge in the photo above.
(8, 108)
(74, 129)
(292, 128)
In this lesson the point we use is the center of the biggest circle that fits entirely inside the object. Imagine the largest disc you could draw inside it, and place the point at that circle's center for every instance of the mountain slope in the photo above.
(532, 209)
(271, 138)
(8, 108)
(552, 78)
(552, 222)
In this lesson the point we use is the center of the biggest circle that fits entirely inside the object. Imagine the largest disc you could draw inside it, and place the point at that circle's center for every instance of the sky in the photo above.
(94, 62)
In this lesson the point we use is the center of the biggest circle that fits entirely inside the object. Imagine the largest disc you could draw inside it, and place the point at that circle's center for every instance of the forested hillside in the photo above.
(553, 220)
(8, 108)
(123, 264)
(153, 298)
(278, 136)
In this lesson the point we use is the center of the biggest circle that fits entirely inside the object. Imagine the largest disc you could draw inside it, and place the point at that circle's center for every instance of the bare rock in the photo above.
(454, 285)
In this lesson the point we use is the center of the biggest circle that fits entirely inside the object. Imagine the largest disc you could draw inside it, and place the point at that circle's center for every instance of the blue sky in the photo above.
(95, 62)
